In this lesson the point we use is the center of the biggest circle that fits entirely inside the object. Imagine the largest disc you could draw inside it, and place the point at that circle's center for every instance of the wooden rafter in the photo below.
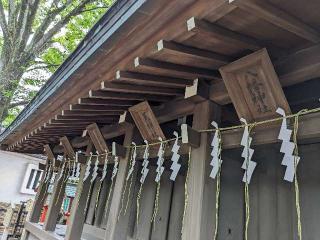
(181, 54)
(148, 65)
(127, 96)
(106, 102)
(129, 88)
(278, 17)
(209, 30)
(151, 80)
(94, 108)
(105, 112)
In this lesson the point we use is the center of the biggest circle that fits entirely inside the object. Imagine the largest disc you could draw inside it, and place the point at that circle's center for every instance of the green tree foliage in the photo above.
(36, 36)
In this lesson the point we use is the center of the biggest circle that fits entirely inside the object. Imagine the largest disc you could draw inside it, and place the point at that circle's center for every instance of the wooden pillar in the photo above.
(55, 202)
(39, 200)
(196, 210)
(42, 189)
(113, 228)
(78, 214)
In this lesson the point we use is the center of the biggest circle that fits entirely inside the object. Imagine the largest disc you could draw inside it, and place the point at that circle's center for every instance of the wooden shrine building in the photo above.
(150, 68)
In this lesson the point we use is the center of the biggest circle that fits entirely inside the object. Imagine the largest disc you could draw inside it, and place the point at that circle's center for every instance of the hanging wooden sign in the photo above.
(254, 87)
(97, 138)
(146, 122)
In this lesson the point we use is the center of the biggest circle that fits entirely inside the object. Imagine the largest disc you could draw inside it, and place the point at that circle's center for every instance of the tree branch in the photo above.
(37, 46)
(3, 23)
(42, 67)
(92, 9)
(17, 104)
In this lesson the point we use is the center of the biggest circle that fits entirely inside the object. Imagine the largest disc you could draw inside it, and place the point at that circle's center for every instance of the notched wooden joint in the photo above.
(118, 150)
(190, 136)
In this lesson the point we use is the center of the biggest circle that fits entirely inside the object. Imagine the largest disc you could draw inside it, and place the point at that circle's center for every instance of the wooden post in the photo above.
(113, 227)
(196, 211)
(55, 203)
(42, 189)
(78, 214)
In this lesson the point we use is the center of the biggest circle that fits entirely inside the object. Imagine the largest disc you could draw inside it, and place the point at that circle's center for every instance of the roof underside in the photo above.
(151, 50)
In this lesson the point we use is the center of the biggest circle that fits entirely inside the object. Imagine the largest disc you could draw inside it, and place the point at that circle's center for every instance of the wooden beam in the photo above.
(139, 89)
(299, 66)
(68, 149)
(146, 122)
(90, 113)
(147, 65)
(181, 54)
(151, 80)
(106, 102)
(48, 152)
(278, 17)
(97, 138)
(209, 30)
(127, 96)
(254, 88)
(87, 118)
(97, 108)
(309, 132)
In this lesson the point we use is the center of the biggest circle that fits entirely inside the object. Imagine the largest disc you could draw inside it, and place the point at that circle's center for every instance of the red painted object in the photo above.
(44, 213)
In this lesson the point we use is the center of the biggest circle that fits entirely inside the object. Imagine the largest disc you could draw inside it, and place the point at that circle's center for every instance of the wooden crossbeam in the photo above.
(127, 96)
(97, 138)
(94, 108)
(148, 65)
(209, 30)
(146, 122)
(68, 149)
(177, 53)
(278, 17)
(299, 66)
(139, 89)
(151, 80)
(106, 102)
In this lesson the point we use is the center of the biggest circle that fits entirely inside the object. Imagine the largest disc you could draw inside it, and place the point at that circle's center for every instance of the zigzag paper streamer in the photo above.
(175, 167)
(77, 173)
(247, 153)
(115, 167)
(88, 167)
(216, 152)
(287, 147)
(145, 163)
(95, 170)
(160, 161)
(133, 160)
(105, 166)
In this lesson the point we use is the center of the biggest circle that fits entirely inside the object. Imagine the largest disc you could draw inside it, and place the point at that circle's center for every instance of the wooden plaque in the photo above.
(97, 138)
(254, 87)
(146, 122)
(68, 149)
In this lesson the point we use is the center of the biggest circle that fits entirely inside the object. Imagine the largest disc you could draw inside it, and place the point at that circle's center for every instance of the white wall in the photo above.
(12, 171)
